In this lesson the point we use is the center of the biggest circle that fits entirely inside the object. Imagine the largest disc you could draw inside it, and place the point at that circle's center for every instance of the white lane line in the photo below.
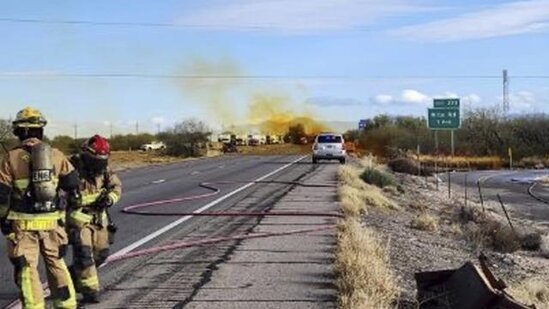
(178, 222)
(221, 166)
(158, 181)
(195, 173)
(17, 304)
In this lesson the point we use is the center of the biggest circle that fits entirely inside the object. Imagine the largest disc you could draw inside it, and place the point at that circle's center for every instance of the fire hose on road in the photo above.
(144, 209)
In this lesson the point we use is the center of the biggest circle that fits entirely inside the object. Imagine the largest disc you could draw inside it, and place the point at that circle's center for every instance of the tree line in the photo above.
(483, 132)
(186, 138)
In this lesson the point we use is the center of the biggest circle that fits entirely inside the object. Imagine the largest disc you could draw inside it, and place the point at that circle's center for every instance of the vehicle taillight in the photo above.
(342, 146)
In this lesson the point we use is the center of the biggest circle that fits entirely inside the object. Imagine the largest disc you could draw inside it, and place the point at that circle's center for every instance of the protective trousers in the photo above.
(24, 249)
(90, 249)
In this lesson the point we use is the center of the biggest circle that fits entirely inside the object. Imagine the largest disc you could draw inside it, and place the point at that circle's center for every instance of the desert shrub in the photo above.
(188, 138)
(531, 241)
(377, 178)
(67, 144)
(130, 141)
(409, 166)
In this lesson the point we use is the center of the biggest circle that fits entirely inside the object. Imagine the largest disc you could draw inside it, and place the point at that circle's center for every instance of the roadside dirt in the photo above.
(449, 246)
(123, 160)
(278, 149)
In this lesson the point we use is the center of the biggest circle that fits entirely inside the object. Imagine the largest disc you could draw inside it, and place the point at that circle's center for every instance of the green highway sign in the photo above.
(446, 103)
(444, 118)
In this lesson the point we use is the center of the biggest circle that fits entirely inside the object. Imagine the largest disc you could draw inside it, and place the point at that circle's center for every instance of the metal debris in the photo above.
(469, 287)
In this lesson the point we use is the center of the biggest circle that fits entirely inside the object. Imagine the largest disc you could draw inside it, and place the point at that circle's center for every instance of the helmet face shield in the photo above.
(95, 165)
(24, 133)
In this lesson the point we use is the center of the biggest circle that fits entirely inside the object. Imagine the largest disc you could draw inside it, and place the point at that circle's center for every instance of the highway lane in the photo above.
(162, 182)
(171, 279)
(512, 186)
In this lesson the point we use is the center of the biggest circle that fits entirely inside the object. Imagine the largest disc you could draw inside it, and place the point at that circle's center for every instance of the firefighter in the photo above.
(90, 228)
(32, 212)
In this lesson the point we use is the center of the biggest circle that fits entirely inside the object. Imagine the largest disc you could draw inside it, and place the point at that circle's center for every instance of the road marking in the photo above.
(158, 181)
(195, 173)
(221, 166)
(178, 222)
(17, 304)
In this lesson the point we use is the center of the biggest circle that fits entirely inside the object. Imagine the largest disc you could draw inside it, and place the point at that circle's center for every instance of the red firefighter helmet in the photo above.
(98, 147)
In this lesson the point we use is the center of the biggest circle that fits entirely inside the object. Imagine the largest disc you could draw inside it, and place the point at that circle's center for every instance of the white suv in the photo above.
(329, 146)
(153, 146)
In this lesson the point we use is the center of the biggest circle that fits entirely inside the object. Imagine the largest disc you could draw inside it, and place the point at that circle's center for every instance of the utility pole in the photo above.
(505, 92)
(158, 128)
(136, 127)
(75, 131)
(110, 129)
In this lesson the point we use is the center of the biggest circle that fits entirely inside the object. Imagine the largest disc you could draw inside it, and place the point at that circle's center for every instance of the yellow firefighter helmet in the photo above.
(29, 118)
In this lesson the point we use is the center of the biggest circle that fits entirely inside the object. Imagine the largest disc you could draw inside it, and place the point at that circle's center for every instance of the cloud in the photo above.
(304, 16)
(418, 98)
(522, 100)
(331, 101)
(383, 99)
(412, 96)
(472, 98)
(507, 19)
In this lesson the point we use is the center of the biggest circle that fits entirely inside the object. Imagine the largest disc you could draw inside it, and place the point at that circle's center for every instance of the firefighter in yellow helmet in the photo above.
(36, 181)
(90, 227)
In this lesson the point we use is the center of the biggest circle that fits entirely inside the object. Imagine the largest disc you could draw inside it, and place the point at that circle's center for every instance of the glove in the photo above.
(5, 226)
(104, 201)
(109, 201)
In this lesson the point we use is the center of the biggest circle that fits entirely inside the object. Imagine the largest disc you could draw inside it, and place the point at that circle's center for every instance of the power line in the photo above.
(155, 25)
(54, 75)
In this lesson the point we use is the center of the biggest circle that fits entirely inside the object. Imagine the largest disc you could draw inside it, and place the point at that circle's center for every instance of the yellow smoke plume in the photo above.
(273, 112)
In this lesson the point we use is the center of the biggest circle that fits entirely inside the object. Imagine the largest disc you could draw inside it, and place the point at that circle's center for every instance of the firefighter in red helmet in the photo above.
(90, 227)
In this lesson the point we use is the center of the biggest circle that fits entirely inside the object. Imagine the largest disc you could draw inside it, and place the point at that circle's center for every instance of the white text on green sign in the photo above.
(443, 118)
(446, 103)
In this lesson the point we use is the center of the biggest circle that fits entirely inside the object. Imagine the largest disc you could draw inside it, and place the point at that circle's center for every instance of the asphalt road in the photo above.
(512, 186)
(176, 180)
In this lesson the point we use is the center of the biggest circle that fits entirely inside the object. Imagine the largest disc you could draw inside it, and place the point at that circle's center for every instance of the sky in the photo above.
(130, 66)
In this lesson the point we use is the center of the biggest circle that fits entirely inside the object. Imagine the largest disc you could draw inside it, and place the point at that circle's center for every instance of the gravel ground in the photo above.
(413, 250)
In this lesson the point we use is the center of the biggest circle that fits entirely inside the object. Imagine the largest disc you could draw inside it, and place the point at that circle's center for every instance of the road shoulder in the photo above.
(285, 271)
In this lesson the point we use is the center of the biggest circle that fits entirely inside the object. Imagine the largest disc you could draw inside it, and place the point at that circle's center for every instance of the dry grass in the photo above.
(371, 161)
(481, 163)
(425, 222)
(533, 162)
(365, 279)
(391, 190)
(532, 292)
(350, 176)
(417, 205)
(130, 159)
(355, 195)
